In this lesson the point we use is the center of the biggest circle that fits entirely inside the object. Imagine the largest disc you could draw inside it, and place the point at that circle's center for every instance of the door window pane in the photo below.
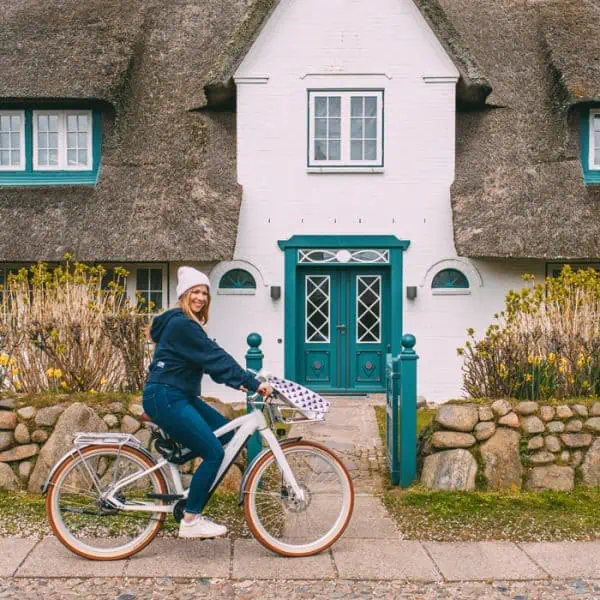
(317, 298)
(368, 309)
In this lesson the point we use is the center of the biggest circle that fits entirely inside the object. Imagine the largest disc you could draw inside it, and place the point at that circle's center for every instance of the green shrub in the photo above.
(545, 344)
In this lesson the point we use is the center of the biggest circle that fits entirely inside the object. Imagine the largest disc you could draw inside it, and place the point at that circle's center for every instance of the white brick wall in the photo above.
(353, 44)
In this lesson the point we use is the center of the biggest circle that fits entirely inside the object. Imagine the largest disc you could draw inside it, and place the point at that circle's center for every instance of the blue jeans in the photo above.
(191, 422)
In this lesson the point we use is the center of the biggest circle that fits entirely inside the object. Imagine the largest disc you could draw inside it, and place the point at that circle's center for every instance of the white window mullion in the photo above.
(62, 141)
(345, 130)
(380, 129)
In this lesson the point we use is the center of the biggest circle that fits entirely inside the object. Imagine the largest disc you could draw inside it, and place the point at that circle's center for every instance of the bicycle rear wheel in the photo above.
(291, 527)
(85, 522)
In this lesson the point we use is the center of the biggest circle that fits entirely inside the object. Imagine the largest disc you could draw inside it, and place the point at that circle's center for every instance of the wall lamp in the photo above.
(411, 292)
(275, 292)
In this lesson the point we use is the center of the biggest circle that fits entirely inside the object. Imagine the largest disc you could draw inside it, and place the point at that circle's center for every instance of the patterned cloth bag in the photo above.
(311, 405)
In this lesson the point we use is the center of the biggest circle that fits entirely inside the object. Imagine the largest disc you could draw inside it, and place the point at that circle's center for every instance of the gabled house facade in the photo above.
(344, 171)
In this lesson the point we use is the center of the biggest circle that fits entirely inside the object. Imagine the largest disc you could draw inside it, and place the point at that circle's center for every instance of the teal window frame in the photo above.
(591, 176)
(52, 177)
(463, 283)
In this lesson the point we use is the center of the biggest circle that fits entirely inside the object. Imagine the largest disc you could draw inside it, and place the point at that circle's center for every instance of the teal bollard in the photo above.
(254, 361)
(407, 429)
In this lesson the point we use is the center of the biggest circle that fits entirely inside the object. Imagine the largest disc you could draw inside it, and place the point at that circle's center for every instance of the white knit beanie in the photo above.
(188, 277)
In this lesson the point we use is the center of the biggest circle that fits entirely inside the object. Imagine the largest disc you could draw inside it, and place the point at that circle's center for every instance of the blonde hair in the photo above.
(185, 303)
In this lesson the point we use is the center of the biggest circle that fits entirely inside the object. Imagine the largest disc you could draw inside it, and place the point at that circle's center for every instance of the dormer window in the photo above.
(62, 140)
(590, 145)
(345, 129)
(49, 146)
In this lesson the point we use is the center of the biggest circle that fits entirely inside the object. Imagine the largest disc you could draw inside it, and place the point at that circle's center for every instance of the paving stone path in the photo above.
(372, 560)
(351, 431)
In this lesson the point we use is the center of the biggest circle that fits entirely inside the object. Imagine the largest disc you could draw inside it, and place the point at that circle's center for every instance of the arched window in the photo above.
(237, 279)
(450, 279)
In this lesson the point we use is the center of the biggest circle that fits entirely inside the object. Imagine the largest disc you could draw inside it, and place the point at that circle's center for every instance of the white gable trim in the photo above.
(442, 79)
(437, 46)
(260, 79)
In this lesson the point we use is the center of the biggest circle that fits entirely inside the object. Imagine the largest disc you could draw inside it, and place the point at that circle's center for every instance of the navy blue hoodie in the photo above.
(184, 353)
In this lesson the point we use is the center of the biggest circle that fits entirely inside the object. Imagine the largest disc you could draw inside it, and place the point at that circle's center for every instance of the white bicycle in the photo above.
(108, 497)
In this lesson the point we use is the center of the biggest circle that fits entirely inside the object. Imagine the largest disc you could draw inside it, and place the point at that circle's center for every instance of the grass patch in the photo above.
(522, 516)
(24, 514)
(424, 417)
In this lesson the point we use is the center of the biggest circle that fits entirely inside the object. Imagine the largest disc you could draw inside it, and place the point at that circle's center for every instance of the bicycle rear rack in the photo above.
(97, 439)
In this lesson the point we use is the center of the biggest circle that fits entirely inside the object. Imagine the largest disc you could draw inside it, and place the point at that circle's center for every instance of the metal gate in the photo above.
(401, 413)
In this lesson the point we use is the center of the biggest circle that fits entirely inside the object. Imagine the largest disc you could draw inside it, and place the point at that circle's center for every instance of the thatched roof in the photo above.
(167, 188)
(161, 72)
(519, 188)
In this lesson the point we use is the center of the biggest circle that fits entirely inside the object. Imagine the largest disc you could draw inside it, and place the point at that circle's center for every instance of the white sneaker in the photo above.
(200, 527)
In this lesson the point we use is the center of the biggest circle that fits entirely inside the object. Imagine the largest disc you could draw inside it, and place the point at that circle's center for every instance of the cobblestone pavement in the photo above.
(351, 431)
(184, 589)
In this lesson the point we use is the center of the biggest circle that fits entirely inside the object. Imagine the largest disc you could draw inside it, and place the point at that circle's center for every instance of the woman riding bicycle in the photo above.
(171, 396)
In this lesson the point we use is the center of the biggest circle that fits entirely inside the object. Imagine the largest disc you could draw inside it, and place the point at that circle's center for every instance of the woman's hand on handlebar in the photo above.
(265, 390)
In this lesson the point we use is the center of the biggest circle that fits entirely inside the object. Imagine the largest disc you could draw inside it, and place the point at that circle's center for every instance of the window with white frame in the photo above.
(149, 288)
(594, 158)
(345, 128)
(12, 140)
(62, 140)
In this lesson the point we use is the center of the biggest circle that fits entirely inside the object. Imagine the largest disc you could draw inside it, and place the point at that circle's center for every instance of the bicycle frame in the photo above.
(246, 425)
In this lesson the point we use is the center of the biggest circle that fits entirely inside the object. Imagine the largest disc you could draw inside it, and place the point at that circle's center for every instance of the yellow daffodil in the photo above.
(103, 381)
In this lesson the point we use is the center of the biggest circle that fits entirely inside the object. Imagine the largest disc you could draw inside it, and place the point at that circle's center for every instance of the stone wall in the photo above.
(33, 439)
(507, 445)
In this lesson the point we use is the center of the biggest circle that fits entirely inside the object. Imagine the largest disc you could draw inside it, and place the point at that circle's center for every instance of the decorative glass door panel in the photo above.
(368, 309)
(318, 305)
(343, 327)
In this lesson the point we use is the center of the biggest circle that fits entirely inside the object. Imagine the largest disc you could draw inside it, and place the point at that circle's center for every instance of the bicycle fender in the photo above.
(44, 486)
(253, 463)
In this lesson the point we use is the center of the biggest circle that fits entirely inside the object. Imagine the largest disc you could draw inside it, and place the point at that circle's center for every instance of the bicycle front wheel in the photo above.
(293, 527)
(90, 525)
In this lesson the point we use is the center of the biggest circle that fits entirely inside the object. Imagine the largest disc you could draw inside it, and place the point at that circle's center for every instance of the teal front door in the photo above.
(342, 328)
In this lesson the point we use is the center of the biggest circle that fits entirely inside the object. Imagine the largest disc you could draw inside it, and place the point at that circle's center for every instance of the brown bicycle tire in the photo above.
(247, 513)
(70, 459)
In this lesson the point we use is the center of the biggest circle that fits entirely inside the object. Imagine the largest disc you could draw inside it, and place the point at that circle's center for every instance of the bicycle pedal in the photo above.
(165, 497)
